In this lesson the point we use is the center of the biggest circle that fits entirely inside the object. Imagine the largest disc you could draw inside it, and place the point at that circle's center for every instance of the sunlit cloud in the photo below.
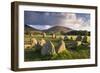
(45, 20)
(43, 27)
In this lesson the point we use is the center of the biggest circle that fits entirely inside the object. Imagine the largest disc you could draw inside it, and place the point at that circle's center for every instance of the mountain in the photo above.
(30, 29)
(56, 29)
(26, 27)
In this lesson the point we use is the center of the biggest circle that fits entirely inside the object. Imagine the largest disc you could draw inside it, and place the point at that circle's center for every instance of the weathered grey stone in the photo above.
(48, 49)
(71, 44)
(79, 38)
(66, 38)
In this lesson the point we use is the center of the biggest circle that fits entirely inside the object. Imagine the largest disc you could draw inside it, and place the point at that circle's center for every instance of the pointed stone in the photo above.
(42, 42)
(61, 47)
(48, 49)
(44, 34)
(33, 41)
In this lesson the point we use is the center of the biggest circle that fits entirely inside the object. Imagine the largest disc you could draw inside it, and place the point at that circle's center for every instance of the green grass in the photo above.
(79, 52)
(38, 37)
(36, 56)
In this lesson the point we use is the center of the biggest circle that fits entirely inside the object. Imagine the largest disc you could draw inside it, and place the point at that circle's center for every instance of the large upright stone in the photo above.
(79, 38)
(72, 44)
(33, 41)
(53, 36)
(48, 49)
(61, 47)
(66, 38)
(32, 35)
(84, 40)
(44, 34)
(42, 42)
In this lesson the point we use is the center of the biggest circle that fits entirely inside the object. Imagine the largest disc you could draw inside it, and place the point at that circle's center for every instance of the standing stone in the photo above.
(79, 38)
(27, 46)
(53, 36)
(66, 38)
(84, 40)
(62, 37)
(44, 34)
(61, 47)
(42, 42)
(33, 41)
(32, 35)
(48, 49)
(72, 44)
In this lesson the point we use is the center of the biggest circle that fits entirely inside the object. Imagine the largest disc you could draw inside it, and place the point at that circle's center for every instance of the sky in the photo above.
(45, 20)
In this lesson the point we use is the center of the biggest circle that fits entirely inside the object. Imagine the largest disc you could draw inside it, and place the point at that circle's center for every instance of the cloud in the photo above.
(77, 23)
(44, 20)
(43, 27)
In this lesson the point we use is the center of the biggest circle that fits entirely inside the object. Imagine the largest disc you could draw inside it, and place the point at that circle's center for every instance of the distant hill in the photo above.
(56, 29)
(26, 27)
(30, 29)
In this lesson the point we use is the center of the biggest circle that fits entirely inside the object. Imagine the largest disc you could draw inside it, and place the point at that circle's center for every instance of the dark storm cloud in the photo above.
(42, 18)
(45, 20)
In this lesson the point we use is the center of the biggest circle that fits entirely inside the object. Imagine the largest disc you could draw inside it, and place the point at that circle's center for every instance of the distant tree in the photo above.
(82, 33)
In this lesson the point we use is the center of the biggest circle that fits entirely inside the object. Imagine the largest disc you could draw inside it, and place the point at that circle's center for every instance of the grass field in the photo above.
(78, 52)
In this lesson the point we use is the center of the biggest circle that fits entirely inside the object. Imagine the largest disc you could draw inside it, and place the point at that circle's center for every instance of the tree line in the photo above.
(75, 32)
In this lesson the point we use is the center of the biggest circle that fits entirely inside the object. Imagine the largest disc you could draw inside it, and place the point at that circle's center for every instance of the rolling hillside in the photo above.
(54, 29)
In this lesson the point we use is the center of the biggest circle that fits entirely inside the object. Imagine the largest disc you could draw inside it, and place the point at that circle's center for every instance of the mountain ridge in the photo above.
(53, 29)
